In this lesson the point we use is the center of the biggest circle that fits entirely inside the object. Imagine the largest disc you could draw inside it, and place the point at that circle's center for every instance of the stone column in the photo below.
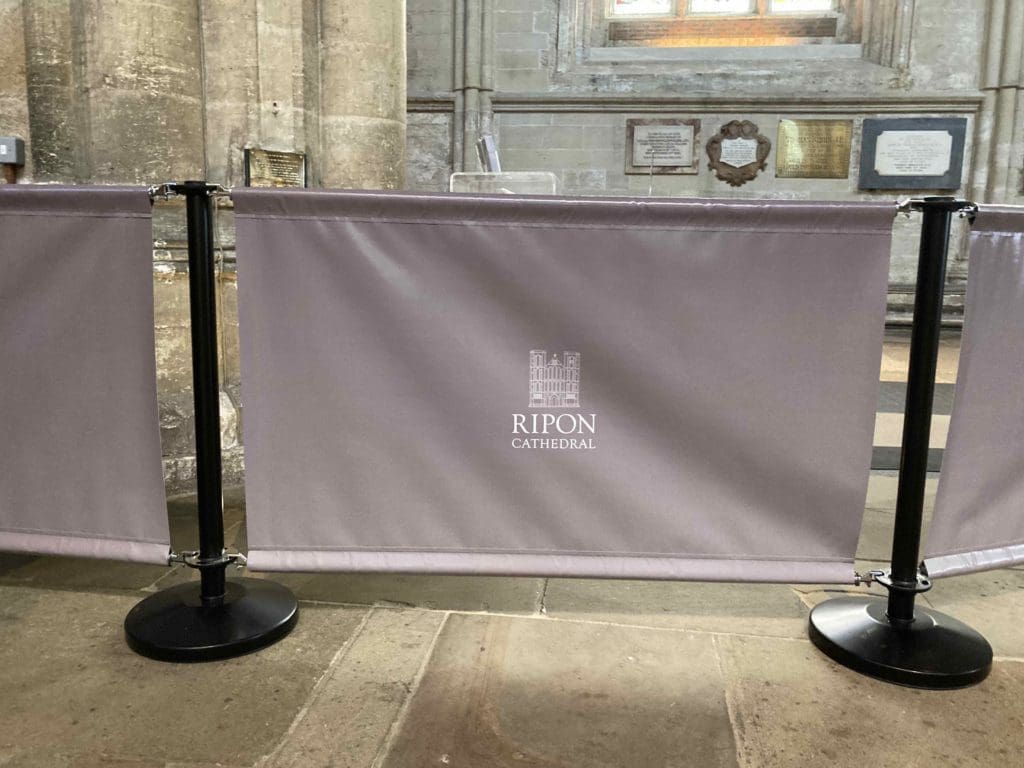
(471, 83)
(362, 91)
(1003, 81)
(231, 82)
(473, 78)
(115, 90)
(262, 86)
(53, 82)
(143, 65)
(13, 86)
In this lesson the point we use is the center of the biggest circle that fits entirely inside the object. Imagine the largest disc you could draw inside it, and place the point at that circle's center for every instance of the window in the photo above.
(712, 23)
(642, 8)
(801, 6)
(721, 6)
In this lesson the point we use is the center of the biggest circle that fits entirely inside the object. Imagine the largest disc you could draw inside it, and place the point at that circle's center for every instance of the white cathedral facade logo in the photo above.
(554, 383)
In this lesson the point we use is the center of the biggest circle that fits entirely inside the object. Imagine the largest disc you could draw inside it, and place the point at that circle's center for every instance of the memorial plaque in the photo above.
(813, 149)
(738, 152)
(269, 168)
(662, 146)
(913, 153)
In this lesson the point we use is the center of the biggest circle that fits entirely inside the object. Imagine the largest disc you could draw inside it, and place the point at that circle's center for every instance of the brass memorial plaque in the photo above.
(813, 149)
(267, 168)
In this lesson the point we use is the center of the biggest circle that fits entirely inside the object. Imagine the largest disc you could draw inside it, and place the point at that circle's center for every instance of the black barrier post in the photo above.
(205, 388)
(216, 618)
(894, 640)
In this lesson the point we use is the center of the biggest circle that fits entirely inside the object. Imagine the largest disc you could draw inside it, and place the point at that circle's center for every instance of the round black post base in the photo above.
(935, 651)
(173, 625)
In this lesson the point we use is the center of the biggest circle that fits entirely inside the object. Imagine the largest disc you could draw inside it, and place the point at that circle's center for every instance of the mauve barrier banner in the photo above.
(80, 466)
(978, 523)
(566, 387)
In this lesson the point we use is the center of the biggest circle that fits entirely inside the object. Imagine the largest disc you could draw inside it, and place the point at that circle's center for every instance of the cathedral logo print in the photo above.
(554, 420)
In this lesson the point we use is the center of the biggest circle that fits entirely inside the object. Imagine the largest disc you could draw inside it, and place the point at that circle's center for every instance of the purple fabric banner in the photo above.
(80, 456)
(567, 387)
(978, 523)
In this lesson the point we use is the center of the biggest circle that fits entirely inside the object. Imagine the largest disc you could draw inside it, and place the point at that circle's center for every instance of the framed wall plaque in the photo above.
(269, 168)
(813, 149)
(738, 152)
(912, 153)
(662, 146)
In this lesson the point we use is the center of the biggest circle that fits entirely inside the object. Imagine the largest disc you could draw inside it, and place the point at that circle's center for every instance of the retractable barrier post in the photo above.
(216, 618)
(892, 639)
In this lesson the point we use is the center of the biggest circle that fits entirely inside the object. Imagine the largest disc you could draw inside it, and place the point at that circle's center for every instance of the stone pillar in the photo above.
(53, 82)
(231, 80)
(143, 67)
(471, 83)
(13, 86)
(1003, 82)
(362, 110)
(262, 88)
(474, 78)
(114, 90)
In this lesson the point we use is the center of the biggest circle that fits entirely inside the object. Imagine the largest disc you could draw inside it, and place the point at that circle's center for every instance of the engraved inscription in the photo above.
(814, 149)
(662, 145)
(738, 152)
(913, 153)
(268, 168)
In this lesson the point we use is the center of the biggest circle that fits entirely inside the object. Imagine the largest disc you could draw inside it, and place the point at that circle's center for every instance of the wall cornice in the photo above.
(943, 103)
(958, 103)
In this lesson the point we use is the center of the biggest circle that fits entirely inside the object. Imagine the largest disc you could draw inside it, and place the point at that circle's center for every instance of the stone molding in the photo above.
(938, 103)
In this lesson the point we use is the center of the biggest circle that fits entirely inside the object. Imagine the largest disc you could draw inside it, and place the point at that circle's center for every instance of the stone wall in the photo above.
(544, 78)
(118, 92)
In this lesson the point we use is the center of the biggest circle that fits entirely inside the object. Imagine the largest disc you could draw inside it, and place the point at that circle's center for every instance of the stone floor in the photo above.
(491, 672)
(432, 671)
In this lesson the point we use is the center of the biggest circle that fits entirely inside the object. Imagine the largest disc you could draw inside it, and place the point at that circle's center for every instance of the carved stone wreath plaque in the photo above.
(738, 152)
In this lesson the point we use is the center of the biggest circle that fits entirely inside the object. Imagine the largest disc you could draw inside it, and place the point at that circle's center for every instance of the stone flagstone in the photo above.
(348, 718)
(793, 707)
(759, 609)
(504, 691)
(72, 687)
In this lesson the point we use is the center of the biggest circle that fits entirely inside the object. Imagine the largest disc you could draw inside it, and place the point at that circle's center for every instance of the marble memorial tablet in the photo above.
(813, 149)
(913, 153)
(662, 146)
(738, 152)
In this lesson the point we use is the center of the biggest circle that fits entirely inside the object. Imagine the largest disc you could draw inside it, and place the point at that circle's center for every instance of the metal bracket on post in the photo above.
(893, 639)
(216, 618)
(193, 559)
(920, 584)
(168, 189)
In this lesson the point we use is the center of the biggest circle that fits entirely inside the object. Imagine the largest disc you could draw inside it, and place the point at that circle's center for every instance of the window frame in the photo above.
(679, 9)
(778, 28)
(611, 15)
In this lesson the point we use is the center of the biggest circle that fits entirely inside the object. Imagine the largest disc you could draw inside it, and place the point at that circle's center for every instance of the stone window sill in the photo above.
(723, 55)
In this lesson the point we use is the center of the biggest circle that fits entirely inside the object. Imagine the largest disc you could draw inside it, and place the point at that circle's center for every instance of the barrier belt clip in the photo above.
(192, 559)
(163, 191)
(921, 584)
